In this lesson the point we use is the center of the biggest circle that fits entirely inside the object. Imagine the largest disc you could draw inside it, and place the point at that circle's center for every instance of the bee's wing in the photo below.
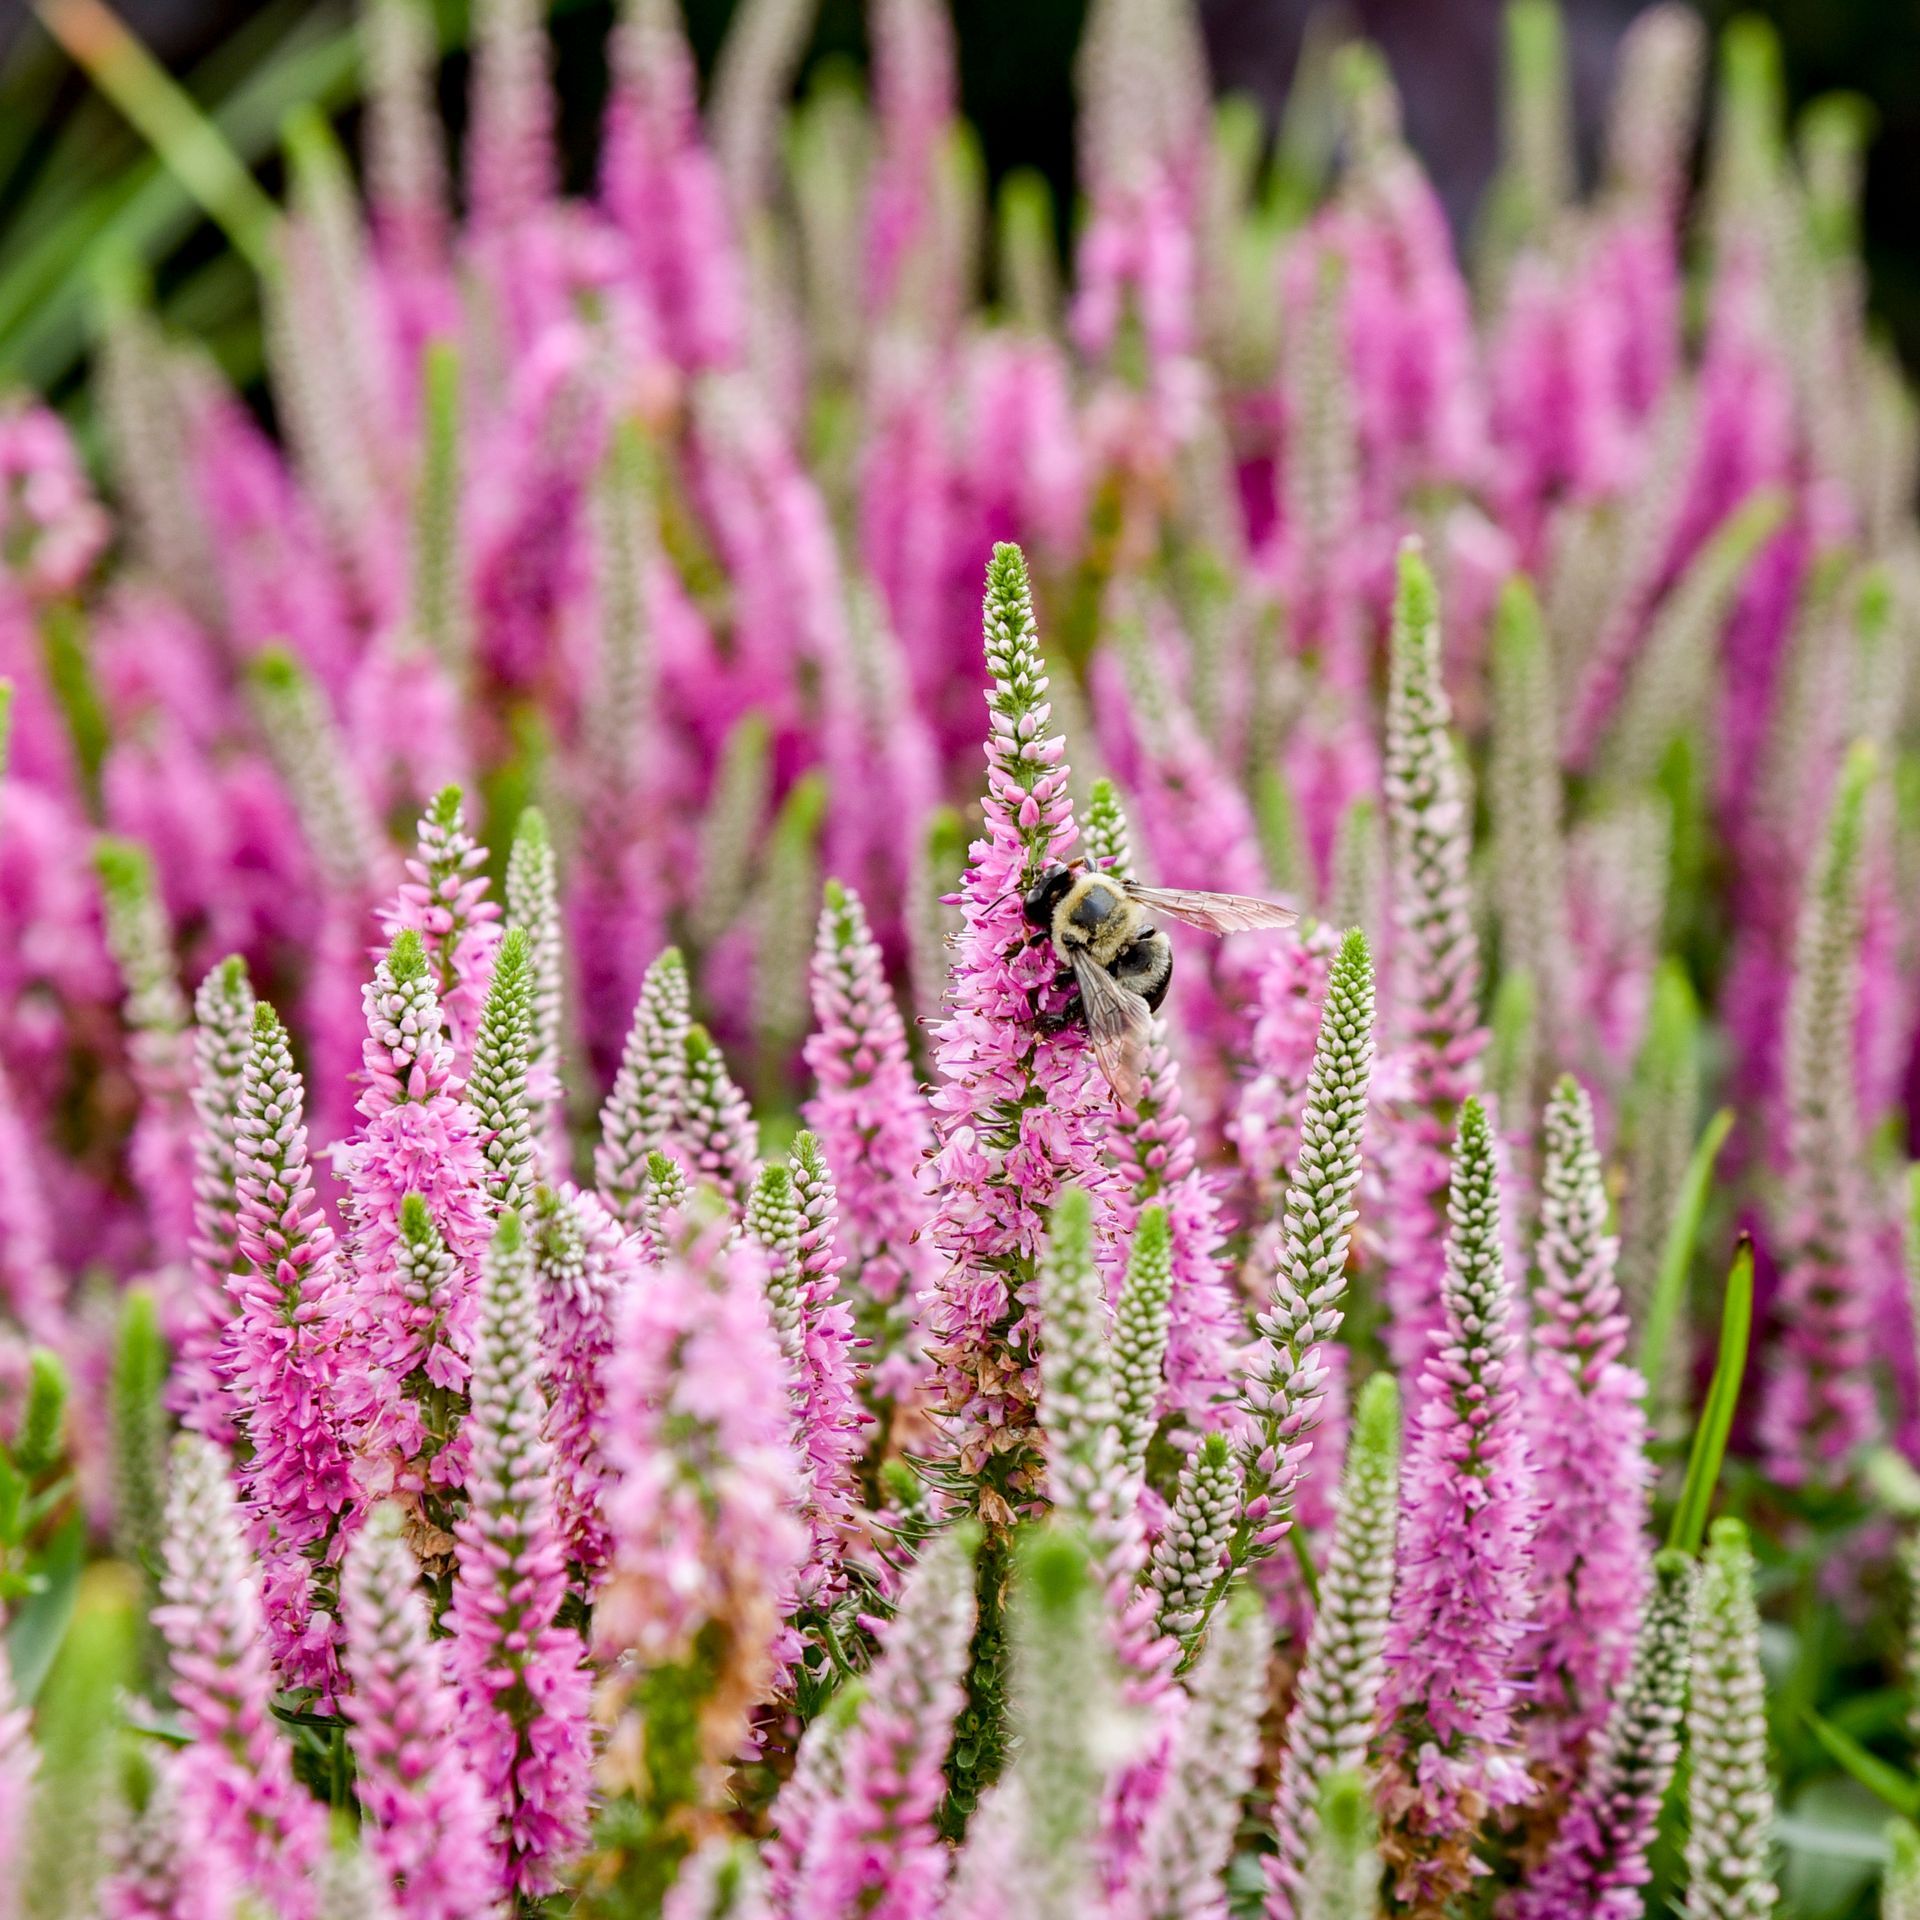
(1215, 912)
(1121, 1026)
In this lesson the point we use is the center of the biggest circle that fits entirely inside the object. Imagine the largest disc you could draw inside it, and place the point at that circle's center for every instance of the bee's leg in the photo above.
(1068, 1014)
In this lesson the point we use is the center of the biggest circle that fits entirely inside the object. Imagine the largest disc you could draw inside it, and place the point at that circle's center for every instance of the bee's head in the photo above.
(1046, 893)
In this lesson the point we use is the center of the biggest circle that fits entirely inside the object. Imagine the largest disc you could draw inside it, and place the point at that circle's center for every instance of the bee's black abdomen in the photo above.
(1158, 991)
(1145, 967)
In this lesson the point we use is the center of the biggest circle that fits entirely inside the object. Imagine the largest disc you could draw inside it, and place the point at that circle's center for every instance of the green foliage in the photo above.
(139, 1439)
(1716, 1416)
(1676, 1257)
(76, 1728)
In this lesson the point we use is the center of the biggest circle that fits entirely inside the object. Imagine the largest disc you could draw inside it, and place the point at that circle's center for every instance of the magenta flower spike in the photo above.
(662, 189)
(875, 1849)
(1331, 1725)
(167, 1865)
(1434, 1021)
(156, 1016)
(1154, 1147)
(716, 1123)
(832, 1419)
(1598, 1862)
(52, 528)
(415, 1274)
(444, 900)
(915, 86)
(510, 157)
(31, 1285)
(1449, 1710)
(1409, 330)
(1265, 1127)
(1820, 1409)
(522, 1683)
(284, 1360)
(223, 1035)
(236, 1781)
(1587, 1433)
(1288, 1373)
(705, 1501)
(428, 1823)
(874, 1128)
(1021, 1111)
(584, 1263)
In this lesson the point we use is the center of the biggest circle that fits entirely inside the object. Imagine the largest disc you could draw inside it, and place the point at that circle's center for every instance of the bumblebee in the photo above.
(1117, 962)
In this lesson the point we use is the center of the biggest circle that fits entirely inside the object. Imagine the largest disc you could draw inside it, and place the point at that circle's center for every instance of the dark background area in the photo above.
(1016, 58)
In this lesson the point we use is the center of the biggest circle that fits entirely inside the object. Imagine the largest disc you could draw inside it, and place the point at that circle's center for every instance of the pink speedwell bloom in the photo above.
(705, 1505)
(1451, 1697)
(874, 1849)
(1022, 1111)
(223, 1033)
(237, 1775)
(419, 1140)
(427, 1818)
(1820, 1399)
(444, 899)
(1588, 1434)
(585, 1263)
(874, 1130)
(51, 527)
(1436, 967)
(1153, 1144)
(283, 1357)
(523, 1689)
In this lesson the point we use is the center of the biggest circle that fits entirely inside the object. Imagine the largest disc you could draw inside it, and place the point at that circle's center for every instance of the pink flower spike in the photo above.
(284, 1359)
(1449, 1709)
(1022, 1110)
(223, 1034)
(704, 1506)
(523, 1687)
(874, 1128)
(427, 1817)
(236, 1777)
(417, 1207)
(444, 900)
(875, 1849)
(1434, 1021)
(1588, 1436)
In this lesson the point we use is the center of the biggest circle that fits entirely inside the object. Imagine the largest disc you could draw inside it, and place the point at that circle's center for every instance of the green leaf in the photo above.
(41, 1622)
(1716, 1417)
(1879, 1777)
(1676, 1256)
(188, 143)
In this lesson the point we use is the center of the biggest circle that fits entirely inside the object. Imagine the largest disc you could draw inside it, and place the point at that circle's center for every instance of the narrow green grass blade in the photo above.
(1881, 1778)
(1663, 1313)
(1716, 1416)
(44, 336)
(188, 143)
